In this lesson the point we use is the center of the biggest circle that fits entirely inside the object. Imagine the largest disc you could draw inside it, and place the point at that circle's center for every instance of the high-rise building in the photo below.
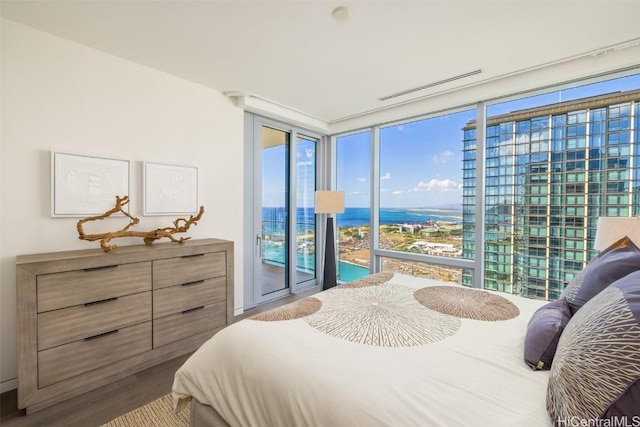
(551, 171)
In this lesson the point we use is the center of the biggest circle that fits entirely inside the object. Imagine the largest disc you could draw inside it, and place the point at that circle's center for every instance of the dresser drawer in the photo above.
(178, 298)
(176, 271)
(177, 326)
(81, 321)
(66, 361)
(77, 287)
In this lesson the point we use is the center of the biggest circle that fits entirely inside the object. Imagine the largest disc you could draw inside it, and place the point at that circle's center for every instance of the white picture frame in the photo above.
(169, 189)
(84, 185)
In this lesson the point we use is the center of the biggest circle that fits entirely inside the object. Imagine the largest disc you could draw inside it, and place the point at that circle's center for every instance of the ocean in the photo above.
(357, 217)
(348, 272)
(274, 217)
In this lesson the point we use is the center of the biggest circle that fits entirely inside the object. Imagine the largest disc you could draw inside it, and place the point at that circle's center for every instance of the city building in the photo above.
(550, 172)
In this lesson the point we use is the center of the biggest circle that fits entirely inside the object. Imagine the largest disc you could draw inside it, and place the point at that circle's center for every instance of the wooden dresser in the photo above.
(86, 318)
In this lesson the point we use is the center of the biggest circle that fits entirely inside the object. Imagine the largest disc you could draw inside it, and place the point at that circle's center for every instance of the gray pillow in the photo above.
(596, 370)
(543, 333)
(615, 262)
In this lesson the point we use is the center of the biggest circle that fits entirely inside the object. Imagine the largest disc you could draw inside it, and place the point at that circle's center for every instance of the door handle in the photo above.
(259, 244)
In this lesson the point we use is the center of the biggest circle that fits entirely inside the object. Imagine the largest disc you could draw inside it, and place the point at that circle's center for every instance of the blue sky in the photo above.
(273, 176)
(421, 162)
(274, 161)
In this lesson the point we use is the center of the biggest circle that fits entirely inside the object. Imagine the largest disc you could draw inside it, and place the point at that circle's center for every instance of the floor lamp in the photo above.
(329, 202)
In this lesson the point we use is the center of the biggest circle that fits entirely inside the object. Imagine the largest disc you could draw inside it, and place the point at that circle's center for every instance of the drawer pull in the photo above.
(193, 309)
(193, 283)
(192, 256)
(102, 335)
(104, 267)
(100, 301)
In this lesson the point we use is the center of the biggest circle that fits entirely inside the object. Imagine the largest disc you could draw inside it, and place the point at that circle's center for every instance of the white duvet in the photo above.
(302, 372)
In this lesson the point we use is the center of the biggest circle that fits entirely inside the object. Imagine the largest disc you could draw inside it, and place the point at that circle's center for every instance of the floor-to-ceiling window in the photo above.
(354, 178)
(421, 197)
(551, 164)
(555, 162)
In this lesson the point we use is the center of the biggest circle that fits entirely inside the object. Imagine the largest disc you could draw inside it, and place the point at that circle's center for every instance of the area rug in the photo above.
(153, 414)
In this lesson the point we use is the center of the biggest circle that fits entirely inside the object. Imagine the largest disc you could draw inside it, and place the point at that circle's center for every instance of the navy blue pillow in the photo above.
(543, 333)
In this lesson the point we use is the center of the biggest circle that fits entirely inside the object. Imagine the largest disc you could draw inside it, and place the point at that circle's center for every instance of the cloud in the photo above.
(439, 185)
(398, 192)
(385, 176)
(443, 158)
(362, 179)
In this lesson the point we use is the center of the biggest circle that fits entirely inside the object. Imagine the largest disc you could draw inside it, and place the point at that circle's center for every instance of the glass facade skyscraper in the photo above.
(550, 172)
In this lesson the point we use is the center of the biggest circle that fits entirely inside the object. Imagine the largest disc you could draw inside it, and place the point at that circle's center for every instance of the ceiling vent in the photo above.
(618, 47)
(429, 85)
(627, 45)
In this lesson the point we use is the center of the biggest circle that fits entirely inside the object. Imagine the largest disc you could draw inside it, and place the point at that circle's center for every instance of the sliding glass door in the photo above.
(284, 225)
(305, 227)
(273, 234)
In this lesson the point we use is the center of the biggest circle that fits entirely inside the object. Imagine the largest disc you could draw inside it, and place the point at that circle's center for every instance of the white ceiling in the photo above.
(295, 54)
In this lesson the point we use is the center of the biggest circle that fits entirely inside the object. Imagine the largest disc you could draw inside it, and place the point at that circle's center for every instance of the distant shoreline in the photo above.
(422, 208)
(360, 217)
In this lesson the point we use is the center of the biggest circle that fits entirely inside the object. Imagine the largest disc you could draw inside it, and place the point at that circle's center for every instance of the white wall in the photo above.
(61, 96)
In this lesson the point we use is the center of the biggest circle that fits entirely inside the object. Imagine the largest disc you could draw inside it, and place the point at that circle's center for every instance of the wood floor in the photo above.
(108, 402)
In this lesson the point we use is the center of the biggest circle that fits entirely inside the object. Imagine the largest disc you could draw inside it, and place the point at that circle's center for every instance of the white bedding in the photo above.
(292, 373)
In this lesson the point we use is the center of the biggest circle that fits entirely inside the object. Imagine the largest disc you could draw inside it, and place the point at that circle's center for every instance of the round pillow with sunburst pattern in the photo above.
(596, 370)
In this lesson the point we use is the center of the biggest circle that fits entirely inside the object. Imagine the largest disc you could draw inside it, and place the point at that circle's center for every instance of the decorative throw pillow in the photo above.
(615, 262)
(543, 333)
(596, 371)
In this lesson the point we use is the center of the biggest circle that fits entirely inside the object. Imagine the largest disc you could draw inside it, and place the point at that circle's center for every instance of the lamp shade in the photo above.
(329, 202)
(611, 229)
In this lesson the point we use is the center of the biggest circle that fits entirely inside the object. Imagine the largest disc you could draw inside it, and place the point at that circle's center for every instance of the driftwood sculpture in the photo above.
(180, 225)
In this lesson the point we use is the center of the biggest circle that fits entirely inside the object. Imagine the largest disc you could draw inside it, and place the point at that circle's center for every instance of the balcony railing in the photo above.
(274, 244)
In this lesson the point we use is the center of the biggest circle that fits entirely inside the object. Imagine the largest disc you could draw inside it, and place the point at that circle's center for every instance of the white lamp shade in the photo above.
(611, 229)
(329, 202)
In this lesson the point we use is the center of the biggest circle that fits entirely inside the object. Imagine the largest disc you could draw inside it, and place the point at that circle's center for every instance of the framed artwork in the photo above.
(169, 189)
(86, 185)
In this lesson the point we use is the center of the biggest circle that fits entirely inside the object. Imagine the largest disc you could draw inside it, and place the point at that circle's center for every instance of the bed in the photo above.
(389, 349)
(397, 350)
